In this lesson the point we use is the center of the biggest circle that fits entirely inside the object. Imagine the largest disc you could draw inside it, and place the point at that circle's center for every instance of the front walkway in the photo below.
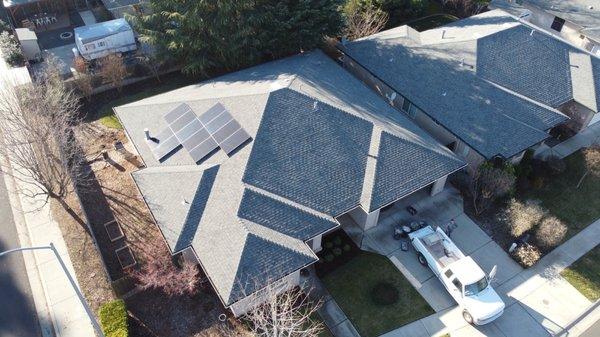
(583, 139)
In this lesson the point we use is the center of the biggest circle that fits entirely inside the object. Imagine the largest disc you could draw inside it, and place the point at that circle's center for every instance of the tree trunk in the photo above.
(73, 214)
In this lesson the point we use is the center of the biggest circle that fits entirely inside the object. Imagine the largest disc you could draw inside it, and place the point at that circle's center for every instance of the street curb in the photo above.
(38, 290)
(580, 325)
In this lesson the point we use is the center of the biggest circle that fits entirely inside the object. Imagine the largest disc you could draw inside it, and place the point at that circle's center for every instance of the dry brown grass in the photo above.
(527, 255)
(523, 216)
(550, 232)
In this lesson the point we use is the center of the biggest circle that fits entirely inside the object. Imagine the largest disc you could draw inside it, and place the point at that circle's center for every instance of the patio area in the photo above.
(53, 36)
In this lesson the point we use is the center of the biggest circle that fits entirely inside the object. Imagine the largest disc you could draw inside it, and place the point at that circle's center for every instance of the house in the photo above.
(488, 86)
(577, 21)
(303, 143)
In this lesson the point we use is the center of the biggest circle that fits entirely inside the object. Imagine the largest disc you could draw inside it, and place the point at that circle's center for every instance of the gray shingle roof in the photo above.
(404, 167)
(441, 72)
(281, 217)
(518, 60)
(248, 216)
(316, 157)
(596, 70)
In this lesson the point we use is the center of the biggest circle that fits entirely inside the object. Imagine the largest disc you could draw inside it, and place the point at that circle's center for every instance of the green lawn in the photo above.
(351, 285)
(577, 207)
(584, 274)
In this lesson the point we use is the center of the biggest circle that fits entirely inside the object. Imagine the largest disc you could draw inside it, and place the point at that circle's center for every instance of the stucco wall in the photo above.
(241, 307)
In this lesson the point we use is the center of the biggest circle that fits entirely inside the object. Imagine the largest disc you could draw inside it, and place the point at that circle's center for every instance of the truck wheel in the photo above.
(422, 259)
(467, 317)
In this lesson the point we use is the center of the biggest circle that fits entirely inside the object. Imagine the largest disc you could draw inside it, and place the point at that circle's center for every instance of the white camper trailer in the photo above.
(104, 38)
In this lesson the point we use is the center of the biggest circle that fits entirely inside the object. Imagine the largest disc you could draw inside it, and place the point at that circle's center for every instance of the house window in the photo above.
(412, 111)
(406, 105)
(557, 24)
(89, 47)
(101, 43)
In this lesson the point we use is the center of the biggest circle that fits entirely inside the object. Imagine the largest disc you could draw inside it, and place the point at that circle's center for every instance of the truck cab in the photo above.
(466, 282)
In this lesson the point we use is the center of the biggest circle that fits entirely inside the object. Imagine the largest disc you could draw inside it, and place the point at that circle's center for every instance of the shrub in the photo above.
(11, 50)
(522, 217)
(537, 182)
(526, 255)
(329, 257)
(4, 27)
(337, 241)
(550, 232)
(337, 251)
(328, 245)
(113, 319)
(555, 165)
(384, 293)
(347, 247)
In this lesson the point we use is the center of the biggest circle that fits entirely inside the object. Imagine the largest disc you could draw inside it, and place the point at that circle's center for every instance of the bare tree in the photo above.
(113, 70)
(159, 272)
(84, 84)
(486, 184)
(37, 121)
(361, 22)
(592, 161)
(152, 64)
(289, 313)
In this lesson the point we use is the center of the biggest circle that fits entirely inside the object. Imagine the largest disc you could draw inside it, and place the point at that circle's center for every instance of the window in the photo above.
(448, 273)
(557, 24)
(406, 105)
(101, 43)
(412, 112)
(89, 46)
(457, 284)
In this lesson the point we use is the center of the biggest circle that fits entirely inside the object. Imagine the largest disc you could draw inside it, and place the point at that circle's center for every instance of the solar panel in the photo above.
(218, 122)
(211, 113)
(177, 112)
(226, 131)
(167, 142)
(203, 149)
(234, 141)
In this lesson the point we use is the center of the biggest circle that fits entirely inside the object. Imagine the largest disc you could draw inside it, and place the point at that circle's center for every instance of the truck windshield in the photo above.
(475, 288)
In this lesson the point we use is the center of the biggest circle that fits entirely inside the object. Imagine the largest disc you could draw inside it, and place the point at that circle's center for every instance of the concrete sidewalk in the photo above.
(583, 139)
(54, 297)
(539, 302)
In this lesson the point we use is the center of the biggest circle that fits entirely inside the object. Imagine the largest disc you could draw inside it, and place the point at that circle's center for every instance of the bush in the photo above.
(550, 233)
(337, 241)
(526, 255)
(4, 27)
(11, 50)
(522, 217)
(384, 293)
(337, 251)
(555, 165)
(328, 245)
(538, 182)
(329, 257)
(347, 247)
(113, 319)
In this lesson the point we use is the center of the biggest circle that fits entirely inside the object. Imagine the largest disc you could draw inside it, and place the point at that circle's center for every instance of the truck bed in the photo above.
(438, 245)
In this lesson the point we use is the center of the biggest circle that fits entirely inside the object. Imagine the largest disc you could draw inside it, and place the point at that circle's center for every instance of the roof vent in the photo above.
(531, 34)
(148, 137)
(184, 202)
(444, 94)
(315, 105)
(462, 62)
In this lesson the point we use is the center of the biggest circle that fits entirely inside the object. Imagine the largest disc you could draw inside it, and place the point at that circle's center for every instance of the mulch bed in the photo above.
(337, 240)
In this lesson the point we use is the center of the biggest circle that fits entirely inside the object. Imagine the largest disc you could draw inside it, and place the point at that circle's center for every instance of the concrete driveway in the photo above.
(437, 210)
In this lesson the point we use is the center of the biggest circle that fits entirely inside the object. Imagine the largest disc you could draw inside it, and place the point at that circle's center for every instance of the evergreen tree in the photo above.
(205, 35)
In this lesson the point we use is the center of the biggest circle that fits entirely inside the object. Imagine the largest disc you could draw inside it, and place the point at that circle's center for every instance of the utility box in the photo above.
(104, 38)
(29, 44)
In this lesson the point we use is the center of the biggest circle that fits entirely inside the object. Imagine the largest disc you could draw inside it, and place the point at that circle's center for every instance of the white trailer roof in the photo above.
(101, 30)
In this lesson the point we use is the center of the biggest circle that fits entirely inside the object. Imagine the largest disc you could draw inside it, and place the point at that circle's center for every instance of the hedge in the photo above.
(113, 319)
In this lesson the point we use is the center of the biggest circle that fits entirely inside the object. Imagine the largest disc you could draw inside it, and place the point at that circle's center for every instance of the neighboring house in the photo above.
(486, 87)
(577, 21)
(314, 144)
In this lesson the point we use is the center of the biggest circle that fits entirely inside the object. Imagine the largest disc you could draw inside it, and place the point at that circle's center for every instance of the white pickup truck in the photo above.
(463, 278)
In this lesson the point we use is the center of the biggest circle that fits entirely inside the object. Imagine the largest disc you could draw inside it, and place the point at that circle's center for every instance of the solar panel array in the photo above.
(200, 135)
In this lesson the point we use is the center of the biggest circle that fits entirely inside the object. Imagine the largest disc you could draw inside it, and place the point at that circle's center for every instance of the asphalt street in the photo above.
(17, 311)
(593, 331)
